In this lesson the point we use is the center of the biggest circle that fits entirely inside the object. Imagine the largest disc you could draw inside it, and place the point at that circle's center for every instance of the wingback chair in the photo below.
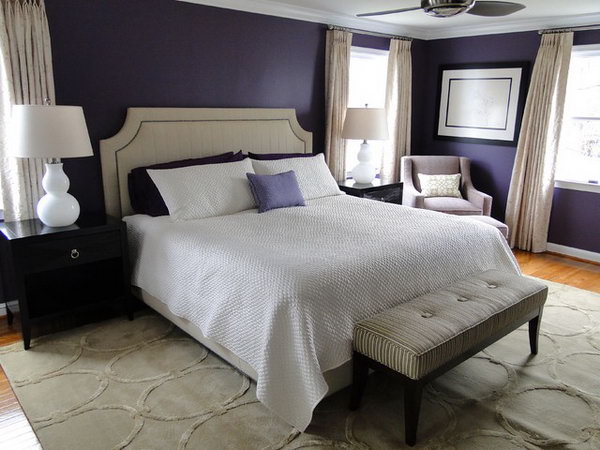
(473, 202)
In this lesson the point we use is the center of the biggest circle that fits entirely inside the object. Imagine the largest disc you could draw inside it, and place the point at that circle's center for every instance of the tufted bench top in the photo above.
(419, 336)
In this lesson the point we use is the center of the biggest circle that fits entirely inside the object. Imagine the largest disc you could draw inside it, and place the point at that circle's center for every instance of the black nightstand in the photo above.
(65, 270)
(377, 190)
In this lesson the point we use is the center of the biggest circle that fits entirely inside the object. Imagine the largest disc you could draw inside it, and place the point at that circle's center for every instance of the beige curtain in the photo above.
(26, 78)
(398, 105)
(337, 76)
(532, 183)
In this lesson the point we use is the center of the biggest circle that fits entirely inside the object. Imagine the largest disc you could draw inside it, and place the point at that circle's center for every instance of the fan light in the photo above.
(445, 8)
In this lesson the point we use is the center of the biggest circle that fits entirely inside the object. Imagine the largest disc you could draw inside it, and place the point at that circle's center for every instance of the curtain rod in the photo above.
(370, 33)
(564, 30)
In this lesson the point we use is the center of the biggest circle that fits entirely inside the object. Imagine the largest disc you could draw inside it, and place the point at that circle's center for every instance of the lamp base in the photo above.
(365, 171)
(57, 208)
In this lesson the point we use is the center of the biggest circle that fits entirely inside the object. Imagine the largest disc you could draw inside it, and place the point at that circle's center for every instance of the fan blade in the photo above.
(391, 11)
(494, 9)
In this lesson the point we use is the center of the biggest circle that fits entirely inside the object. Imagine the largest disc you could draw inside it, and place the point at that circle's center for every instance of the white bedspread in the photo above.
(282, 290)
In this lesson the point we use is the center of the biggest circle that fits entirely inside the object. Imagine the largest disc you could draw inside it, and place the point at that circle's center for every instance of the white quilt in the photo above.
(282, 290)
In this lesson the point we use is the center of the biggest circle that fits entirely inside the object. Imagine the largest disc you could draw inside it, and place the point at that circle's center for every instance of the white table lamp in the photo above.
(366, 124)
(52, 132)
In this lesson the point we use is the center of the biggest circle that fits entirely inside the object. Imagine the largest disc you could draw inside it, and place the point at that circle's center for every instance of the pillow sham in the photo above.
(313, 175)
(143, 193)
(440, 185)
(275, 191)
(274, 156)
(198, 192)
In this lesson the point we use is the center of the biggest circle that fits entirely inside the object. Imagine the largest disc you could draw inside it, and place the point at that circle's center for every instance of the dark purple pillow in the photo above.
(143, 193)
(275, 191)
(273, 156)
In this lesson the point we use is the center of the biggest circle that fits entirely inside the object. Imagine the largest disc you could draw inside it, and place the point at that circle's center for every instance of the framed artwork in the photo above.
(482, 102)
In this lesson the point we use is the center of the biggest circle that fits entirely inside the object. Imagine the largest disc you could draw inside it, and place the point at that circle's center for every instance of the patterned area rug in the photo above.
(145, 385)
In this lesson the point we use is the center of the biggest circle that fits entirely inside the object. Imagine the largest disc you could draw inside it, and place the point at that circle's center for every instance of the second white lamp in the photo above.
(366, 124)
(52, 132)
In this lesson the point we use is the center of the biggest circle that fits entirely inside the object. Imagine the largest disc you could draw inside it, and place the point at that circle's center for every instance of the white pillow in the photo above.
(197, 192)
(313, 175)
(440, 185)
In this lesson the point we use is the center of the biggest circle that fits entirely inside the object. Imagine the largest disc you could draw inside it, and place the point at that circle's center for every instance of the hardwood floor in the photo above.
(16, 432)
(560, 269)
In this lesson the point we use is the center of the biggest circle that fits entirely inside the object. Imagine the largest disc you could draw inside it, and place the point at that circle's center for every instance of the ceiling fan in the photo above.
(449, 8)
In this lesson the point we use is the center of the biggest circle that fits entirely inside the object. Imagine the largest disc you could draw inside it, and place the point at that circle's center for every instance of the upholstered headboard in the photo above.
(155, 135)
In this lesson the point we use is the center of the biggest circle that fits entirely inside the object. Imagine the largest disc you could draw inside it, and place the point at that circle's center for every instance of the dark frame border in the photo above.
(523, 65)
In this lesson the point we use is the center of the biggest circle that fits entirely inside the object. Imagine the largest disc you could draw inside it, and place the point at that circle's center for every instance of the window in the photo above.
(368, 76)
(579, 150)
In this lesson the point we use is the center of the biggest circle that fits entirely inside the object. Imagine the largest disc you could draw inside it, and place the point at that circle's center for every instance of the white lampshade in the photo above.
(365, 123)
(49, 132)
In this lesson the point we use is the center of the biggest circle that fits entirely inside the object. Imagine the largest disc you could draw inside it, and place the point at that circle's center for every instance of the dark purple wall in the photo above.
(492, 164)
(575, 219)
(576, 215)
(364, 40)
(112, 54)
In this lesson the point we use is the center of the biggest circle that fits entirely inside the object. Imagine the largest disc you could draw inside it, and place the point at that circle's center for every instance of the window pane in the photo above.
(579, 151)
(368, 76)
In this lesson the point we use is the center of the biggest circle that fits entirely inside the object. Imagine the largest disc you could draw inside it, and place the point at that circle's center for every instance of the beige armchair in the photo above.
(473, 202)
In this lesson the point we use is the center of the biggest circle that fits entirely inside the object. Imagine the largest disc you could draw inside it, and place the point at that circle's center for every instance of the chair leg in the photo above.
(413, 393)
(360, 373)
(534, 332)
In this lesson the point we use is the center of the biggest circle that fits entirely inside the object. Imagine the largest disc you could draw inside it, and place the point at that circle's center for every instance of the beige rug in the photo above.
(145, 385)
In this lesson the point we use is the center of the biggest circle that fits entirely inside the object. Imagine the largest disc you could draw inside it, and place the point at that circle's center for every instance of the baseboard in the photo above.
(574, 252)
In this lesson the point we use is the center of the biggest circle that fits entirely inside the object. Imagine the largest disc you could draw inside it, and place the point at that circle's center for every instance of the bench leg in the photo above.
(534, 332)
(412, 406)
(360, 373)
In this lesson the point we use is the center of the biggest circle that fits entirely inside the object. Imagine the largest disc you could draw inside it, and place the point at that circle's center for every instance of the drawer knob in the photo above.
(74, 253)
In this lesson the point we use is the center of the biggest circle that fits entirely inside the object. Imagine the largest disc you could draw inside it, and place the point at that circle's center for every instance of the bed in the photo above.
(277, 294)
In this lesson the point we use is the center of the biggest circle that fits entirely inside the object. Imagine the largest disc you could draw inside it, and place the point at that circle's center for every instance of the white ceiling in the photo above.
(537, 14)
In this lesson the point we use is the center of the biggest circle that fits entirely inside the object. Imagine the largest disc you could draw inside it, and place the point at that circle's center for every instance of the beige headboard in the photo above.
(155, 135)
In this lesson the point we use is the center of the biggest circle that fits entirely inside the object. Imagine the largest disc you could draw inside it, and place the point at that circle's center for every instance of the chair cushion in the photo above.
(433, 165)
(491, 221)
(449, 205)
(422, 334)
(440, 185)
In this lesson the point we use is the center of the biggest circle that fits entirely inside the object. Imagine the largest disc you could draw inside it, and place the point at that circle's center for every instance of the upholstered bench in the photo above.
(491, 221)
(423, 338)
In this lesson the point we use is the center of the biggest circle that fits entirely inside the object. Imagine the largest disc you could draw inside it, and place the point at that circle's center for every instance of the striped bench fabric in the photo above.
(419, 336)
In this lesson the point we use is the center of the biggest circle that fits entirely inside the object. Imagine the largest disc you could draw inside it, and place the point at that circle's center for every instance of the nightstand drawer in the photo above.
(59, 253)
(393, 195)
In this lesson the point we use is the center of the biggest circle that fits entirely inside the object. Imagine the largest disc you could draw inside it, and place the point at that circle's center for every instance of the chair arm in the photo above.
(411, 197)
(479, 199)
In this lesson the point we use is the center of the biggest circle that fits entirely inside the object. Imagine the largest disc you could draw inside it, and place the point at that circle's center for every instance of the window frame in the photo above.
(574, 184)
(367, 51)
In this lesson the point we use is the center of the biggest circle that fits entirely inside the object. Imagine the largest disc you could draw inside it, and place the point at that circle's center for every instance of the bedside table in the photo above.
(57, 271)
(377, 190)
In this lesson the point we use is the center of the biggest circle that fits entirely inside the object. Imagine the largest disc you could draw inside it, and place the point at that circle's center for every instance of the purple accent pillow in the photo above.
(273, 156)
(143, 193)
(275, 191)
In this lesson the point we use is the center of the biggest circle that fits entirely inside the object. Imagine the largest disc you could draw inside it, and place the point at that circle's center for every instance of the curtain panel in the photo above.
(399, 108)
(532, 184)
(337, 80)
(27, 78)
